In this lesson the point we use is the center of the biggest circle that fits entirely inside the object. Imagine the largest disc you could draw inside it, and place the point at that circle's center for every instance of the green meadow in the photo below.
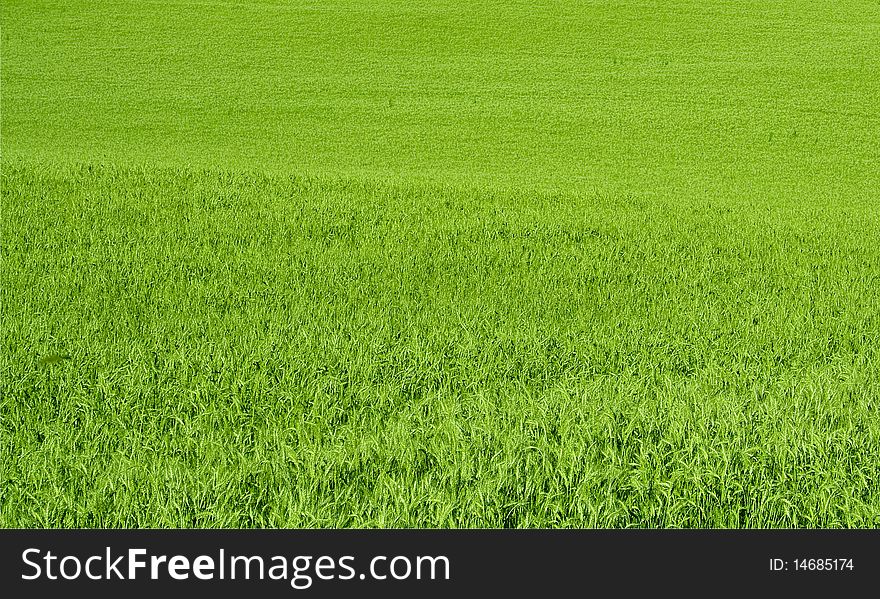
(441, 264)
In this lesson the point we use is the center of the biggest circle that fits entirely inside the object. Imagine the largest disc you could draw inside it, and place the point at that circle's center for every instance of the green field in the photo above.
(373, 263)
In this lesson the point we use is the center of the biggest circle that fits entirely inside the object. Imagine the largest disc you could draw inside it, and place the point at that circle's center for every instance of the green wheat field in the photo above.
(383, 263)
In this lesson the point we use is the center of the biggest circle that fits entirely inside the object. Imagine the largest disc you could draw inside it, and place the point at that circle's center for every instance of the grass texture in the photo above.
(477, 264)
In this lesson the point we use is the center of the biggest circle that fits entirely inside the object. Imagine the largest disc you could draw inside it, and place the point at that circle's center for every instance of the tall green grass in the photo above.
(384, 263)
(258, 350)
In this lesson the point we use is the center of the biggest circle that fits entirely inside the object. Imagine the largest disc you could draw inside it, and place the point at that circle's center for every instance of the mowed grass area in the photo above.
(685, 97)
(496, 264)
